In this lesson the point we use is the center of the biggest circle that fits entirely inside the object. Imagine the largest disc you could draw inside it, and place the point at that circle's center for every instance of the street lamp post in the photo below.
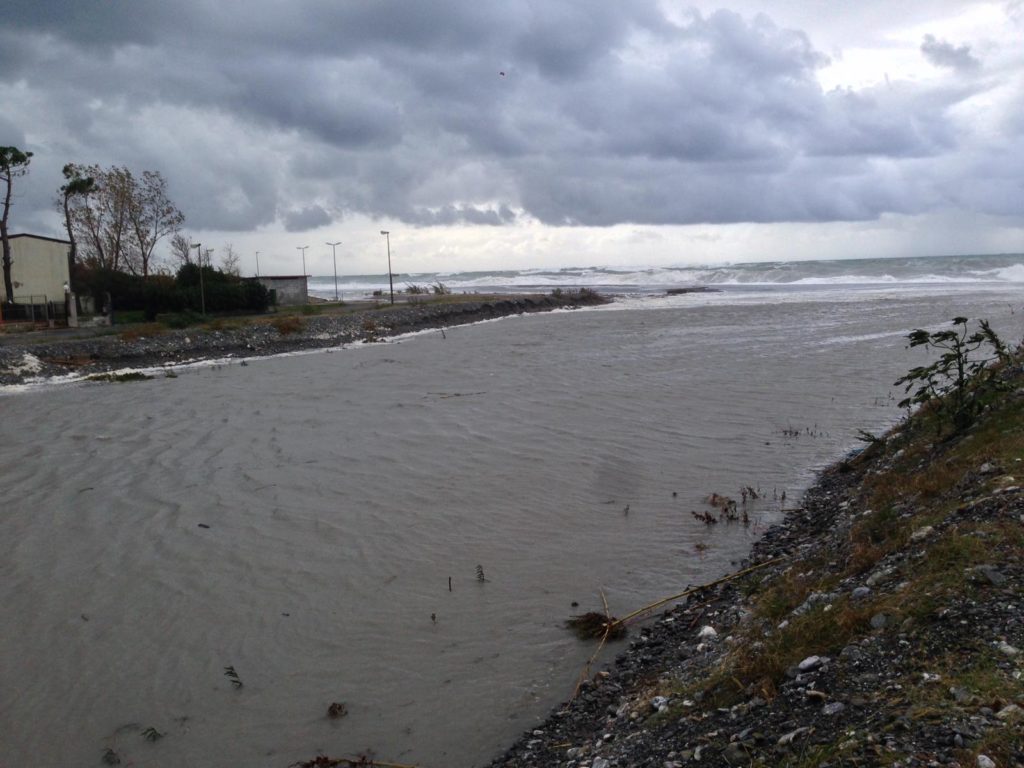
(391, 279)
(257, 263)
(202, 289)
(303, 249)
(334, 255)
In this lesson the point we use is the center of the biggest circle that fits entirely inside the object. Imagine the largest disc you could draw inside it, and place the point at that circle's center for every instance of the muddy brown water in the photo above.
(298, 519)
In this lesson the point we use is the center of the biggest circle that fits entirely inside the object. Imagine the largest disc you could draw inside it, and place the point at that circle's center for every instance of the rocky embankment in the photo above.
(23, 358)
(891, 632)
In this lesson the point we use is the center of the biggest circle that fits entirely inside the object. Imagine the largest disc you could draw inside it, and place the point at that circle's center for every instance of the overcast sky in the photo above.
(521, 133)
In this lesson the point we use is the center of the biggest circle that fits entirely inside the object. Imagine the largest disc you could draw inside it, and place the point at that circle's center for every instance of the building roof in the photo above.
(40, 237)
(277, 277)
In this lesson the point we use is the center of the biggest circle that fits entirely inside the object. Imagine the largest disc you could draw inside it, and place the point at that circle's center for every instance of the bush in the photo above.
(961, 382)
(181, 319)
(414, 289)
(440, 289)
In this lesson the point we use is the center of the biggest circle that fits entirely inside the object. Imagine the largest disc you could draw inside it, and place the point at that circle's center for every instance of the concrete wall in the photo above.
(39, 267)
(290, 289)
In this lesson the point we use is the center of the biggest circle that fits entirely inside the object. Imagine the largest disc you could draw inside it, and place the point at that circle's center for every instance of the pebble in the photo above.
(991, 573)
(922, 533)
(600, 762)
(1005, 647)
(811, 662)
(879, 577)
(833, 708)
(984, 761)
(706, 633)
(792, 736)
(659, 703)
(1010, 712)
(879, 620)
(861, 592)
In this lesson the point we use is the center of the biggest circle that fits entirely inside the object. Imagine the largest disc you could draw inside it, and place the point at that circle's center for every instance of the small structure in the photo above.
(39, 269)
(288, 289)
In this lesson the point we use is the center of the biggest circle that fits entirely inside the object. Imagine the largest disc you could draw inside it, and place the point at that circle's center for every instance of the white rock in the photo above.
(1010, 712)
(930, 677)
(792, 736)
(599, 762)
(922, 533)
(1006, 648)
(706, 633)
(811, 662)
(659, 703)
(984, 761)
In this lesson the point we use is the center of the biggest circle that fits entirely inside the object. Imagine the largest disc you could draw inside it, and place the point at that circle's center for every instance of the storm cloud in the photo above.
(567, 112)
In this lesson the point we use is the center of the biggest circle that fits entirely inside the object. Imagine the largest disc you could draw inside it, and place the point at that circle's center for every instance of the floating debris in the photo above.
(594, 626)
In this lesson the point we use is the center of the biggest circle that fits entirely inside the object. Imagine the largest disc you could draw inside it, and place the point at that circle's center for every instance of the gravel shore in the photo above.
(26, 357)
(910, 654)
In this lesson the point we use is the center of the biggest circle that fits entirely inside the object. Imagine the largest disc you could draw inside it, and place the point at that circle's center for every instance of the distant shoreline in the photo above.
(35, 358)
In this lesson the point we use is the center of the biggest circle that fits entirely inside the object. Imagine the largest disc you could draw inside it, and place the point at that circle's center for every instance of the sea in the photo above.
(194, 568)
(877, 273)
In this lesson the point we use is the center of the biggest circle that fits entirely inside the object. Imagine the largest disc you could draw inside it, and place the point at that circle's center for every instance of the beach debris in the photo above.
(433, 618)
(626, 510)
(110, 757)
(360, 761)
(449, 583)
(700, 546)
(337, 709)
(229, 672)
(480, 573)
(595, 626)
(152, 734)
(203, 525)
(704, 517)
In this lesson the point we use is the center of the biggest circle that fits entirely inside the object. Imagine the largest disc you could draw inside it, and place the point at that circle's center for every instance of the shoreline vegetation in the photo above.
(41, 356)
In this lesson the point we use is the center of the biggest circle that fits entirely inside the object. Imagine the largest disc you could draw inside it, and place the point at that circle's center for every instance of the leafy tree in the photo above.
(960, 383)
(76, 186)
(120, 225)
(152, 216)
(13, 163)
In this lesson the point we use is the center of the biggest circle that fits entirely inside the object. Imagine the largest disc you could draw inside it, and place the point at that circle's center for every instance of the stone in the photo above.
(707, 633)
(984, 761)
(792, 736)
(833, 708)
(988, 468)
(1011, 712)
(810, 663)
(659, 703)
(879, 620)
(960, 695)
(991, 574)
(600, 762)
(1005, 647)
(735, 753)
(861, 592)
(922, 533)
(879, 577)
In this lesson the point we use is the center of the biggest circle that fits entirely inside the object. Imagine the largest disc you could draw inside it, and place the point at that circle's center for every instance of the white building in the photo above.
(39, 269)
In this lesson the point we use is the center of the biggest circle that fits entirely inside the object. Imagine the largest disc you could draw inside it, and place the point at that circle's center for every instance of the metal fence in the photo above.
(34, 309)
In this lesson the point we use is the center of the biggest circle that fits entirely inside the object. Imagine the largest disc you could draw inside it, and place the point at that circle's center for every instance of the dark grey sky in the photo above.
(294, 118)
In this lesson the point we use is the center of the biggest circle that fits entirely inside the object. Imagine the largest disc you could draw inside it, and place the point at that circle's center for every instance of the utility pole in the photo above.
(202, 290)
(391, 279)
(334, 254)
